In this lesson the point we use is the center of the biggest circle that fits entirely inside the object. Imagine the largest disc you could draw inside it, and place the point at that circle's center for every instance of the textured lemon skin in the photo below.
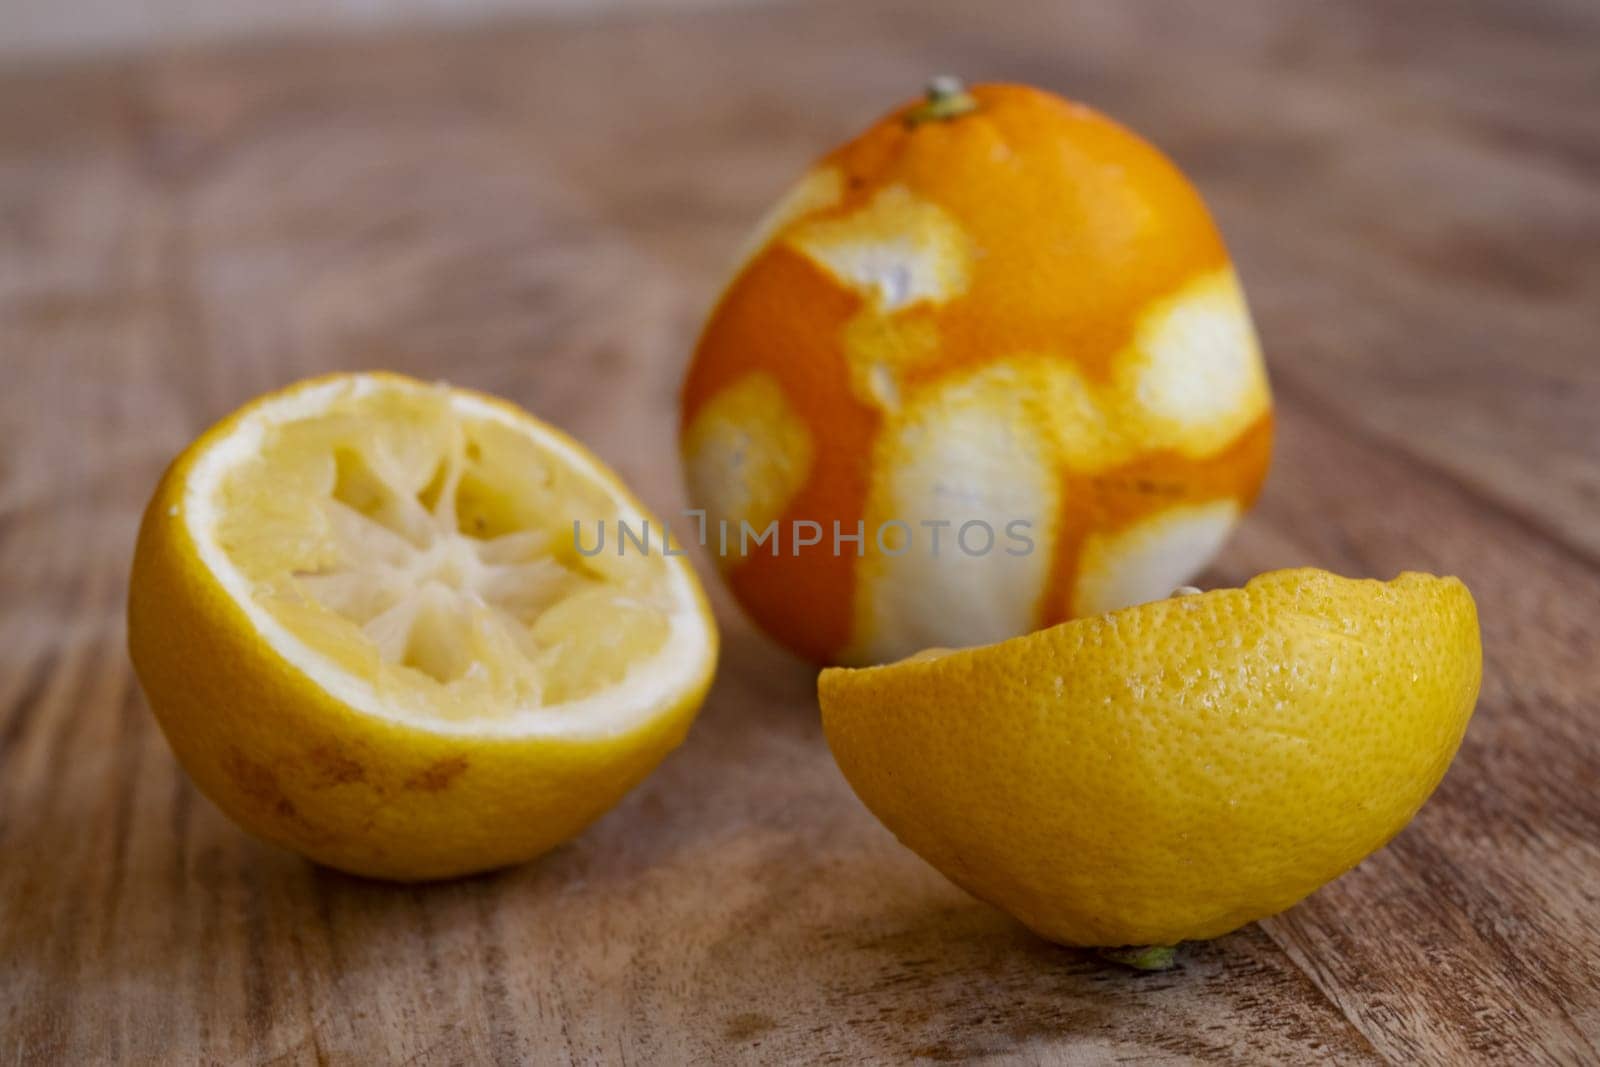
(1174, 770)
(299, 768)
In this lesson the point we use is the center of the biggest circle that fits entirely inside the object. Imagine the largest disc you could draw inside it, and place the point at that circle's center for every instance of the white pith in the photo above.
(453, 565)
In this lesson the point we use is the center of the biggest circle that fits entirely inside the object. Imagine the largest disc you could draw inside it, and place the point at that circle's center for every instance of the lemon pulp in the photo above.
(431, 553)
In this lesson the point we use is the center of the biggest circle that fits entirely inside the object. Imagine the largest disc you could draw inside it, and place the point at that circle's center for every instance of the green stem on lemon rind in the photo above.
(1143, 957)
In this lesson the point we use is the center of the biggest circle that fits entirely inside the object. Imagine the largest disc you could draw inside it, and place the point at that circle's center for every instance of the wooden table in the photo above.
(545, 211)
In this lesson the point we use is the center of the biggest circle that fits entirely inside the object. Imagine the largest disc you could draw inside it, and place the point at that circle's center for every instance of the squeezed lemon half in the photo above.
(360, 613)
(1174, 770)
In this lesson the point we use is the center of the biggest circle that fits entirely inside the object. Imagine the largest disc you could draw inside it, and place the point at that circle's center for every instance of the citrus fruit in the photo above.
(997, 345)
(1174, 770)
(362, 616)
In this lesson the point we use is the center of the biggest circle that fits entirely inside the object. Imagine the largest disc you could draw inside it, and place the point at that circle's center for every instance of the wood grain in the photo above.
(544, 211)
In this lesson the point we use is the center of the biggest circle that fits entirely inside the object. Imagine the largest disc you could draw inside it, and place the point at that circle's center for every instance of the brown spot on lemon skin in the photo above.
(259, 785)
(437, 775)
(254, 780)
(334, 768)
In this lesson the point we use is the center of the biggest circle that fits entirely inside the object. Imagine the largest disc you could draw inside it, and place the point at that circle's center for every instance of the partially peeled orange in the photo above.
(992, 360)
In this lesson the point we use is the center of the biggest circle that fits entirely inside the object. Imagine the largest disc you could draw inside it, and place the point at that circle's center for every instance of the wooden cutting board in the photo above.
(545, 211)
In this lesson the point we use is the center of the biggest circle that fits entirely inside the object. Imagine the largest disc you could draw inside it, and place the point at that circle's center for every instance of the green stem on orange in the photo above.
(946, 99)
